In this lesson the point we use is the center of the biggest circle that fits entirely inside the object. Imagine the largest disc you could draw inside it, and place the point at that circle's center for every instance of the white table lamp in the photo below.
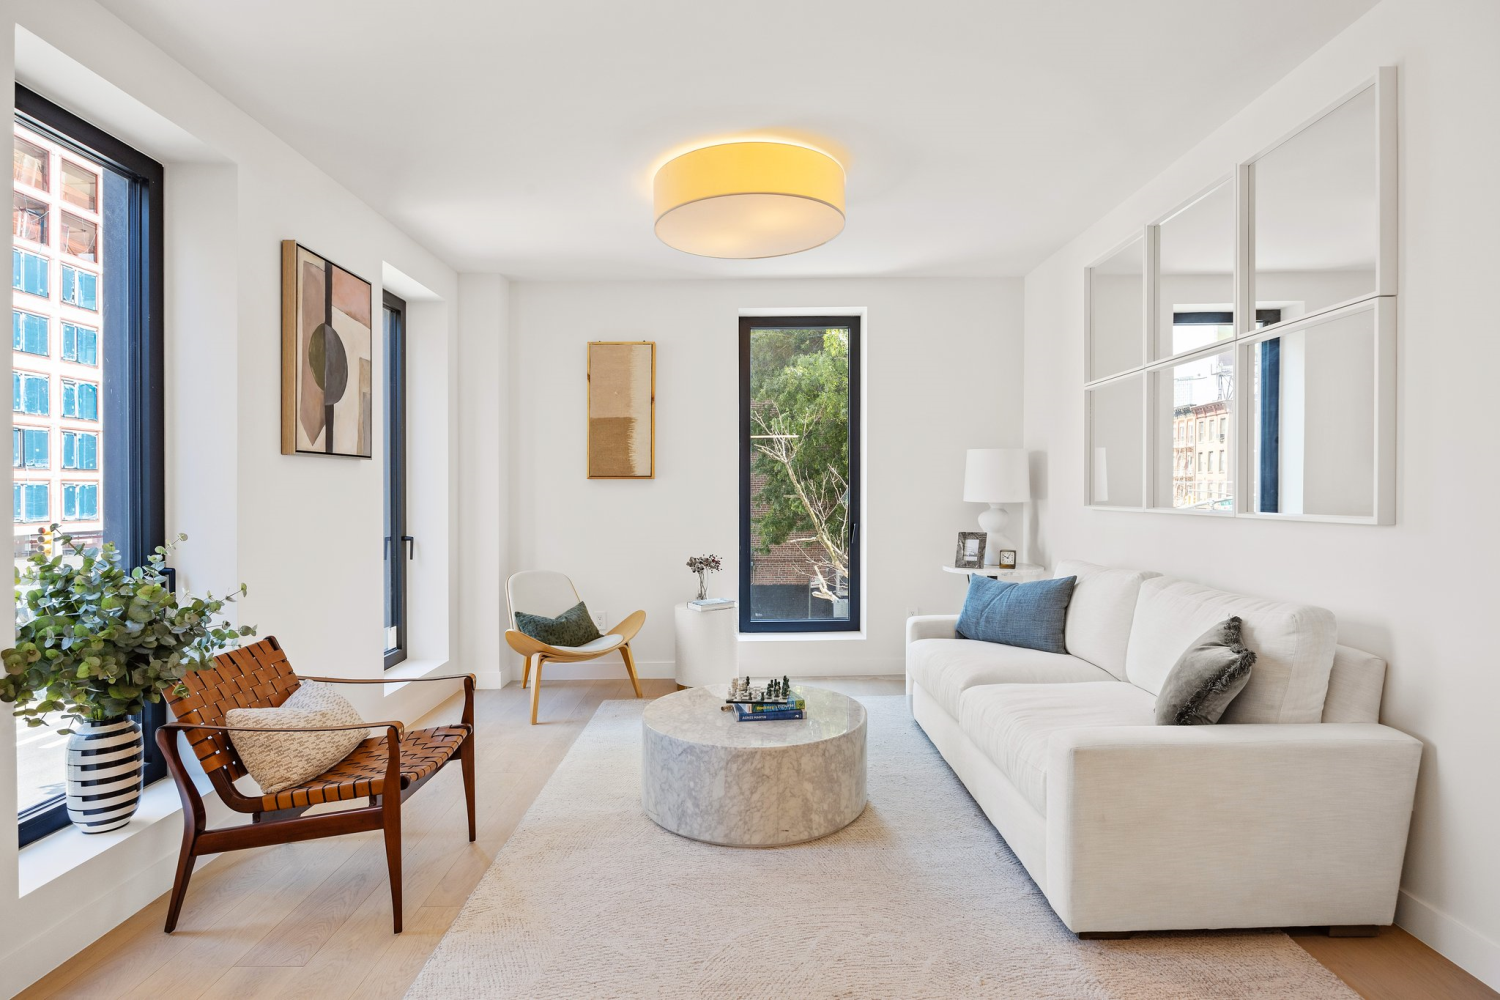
(996, 476)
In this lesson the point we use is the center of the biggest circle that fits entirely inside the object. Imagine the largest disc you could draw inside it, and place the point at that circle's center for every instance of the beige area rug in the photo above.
(918, 898)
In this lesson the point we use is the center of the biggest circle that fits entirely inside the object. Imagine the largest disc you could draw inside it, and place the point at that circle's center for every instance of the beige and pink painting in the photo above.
(622, 409)
(326, 357)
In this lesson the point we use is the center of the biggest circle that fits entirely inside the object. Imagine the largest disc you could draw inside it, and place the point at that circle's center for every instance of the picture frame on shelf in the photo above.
(970, 552)
(1007, 558)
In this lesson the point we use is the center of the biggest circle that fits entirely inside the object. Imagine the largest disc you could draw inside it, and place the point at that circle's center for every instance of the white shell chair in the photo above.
(542, 592)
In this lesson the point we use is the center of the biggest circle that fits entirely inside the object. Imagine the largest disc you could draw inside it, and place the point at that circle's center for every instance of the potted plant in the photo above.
(703, 565)
(94, 643)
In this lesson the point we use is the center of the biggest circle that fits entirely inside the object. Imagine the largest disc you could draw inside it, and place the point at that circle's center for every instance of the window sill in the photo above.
(408, 670)
(800, 636)
(57, 854)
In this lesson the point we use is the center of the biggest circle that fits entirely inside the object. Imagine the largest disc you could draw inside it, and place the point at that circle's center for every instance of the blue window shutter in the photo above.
(70, 502)
(90, 451)
(69, 450)
(69, 342)
(15, 394)
(70, 399)
(15, 321)
(17, 491)
(15, 448)
(90, 506)
(90, 356)
(37, 502)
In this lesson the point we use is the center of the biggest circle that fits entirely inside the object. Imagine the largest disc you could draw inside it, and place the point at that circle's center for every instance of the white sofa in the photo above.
(1292, 812)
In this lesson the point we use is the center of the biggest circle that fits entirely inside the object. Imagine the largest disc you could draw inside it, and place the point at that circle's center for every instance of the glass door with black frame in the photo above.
(399, 546)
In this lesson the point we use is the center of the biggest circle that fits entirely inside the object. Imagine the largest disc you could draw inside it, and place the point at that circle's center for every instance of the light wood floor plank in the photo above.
(313, 920)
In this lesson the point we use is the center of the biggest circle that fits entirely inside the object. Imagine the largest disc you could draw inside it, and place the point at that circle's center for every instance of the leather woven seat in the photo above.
(362, 773)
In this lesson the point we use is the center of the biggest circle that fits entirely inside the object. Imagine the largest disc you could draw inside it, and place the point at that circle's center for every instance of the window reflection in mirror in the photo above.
(1116, 312)
(1312, 418)
(1194, 457)
(1317, 213)
(1115, 413)
(1195, 252)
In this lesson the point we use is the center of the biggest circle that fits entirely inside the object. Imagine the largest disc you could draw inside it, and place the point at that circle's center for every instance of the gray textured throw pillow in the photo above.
(574, 627)
(1206, 678)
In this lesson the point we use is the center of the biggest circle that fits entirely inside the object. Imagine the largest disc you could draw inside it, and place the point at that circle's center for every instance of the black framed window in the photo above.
(398, 544)
(91, 210)
(799, 474)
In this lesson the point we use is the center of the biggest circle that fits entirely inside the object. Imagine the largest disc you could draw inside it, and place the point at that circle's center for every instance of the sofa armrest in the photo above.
(1196, 827)
(931, 627)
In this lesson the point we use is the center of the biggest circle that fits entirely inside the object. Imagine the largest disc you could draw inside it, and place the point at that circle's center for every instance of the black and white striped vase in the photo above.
(105, 760)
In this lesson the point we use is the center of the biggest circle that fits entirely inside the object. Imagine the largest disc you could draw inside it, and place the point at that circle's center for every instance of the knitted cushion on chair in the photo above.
(284, 760)
(573, 627)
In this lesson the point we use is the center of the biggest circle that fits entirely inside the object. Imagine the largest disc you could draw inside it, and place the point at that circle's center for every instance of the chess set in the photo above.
(773, 701)
(772, 692)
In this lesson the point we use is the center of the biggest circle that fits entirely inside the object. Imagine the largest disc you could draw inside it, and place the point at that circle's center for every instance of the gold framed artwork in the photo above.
(327, 359)
(622, 409)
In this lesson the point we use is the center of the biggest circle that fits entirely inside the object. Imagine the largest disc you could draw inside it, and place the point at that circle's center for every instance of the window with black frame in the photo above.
(799, 474)
(87, 375)
(398, 544)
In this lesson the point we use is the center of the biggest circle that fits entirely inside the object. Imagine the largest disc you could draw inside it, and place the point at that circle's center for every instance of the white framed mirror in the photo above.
(1115, 459)
(1116, 321)
(1195, 274)
(1323, 208)
(1319, 435)
(1193, 453)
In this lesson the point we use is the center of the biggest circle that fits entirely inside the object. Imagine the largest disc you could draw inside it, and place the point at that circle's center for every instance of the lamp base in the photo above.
(992, 522)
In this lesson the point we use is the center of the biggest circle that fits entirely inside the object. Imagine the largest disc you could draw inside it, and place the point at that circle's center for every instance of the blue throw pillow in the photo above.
(1018, 614)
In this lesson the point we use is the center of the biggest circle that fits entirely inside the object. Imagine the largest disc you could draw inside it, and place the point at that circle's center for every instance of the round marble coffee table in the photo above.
(707, 776)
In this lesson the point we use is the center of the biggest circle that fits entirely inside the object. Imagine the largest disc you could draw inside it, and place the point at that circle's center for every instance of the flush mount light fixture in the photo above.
(749, 199)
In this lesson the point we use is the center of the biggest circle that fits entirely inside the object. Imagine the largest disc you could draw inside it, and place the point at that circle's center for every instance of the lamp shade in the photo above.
(749, 199)
(997, 475)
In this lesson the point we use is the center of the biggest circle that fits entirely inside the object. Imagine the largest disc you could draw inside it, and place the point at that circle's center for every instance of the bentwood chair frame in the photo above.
(259, 676)
(548, 593)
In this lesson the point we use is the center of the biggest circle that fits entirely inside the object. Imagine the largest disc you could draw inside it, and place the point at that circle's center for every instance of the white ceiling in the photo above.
(521, 137)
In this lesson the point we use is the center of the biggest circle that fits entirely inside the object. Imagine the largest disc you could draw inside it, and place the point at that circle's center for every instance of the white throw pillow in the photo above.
(284, 760)
(1100, 613)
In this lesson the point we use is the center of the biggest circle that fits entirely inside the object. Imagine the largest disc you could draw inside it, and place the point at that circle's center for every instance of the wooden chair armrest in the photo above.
(469, 678)
(396, 727)
(629, 626)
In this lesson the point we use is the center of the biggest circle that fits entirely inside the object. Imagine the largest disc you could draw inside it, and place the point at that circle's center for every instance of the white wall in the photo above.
(942, 360)
(1421, 592)
(303, 532)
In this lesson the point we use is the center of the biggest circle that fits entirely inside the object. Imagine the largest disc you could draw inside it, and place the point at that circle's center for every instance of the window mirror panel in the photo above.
(1313, 418)
(1117, 295)
(1193, 458)
(1195, 275)
(1317, 212)
(1115, 461)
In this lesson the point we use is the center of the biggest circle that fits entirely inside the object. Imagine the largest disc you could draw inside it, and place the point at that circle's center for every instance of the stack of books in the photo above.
(793, 708)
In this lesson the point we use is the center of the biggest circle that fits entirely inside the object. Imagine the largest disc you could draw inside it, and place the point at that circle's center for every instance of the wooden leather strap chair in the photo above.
(541, 592)
(259, 676)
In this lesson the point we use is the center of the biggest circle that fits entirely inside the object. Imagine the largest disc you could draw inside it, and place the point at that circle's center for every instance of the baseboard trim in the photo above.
(1454, 940)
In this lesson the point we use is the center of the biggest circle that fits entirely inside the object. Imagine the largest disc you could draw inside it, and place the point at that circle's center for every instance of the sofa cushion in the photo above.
(947, 667)
(1012, 724)
(1207, 677)
(1100, 613)
(1293, 645)
(1017, 614)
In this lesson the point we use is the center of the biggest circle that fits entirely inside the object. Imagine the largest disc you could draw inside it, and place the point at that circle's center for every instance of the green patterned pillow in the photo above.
(573, 627)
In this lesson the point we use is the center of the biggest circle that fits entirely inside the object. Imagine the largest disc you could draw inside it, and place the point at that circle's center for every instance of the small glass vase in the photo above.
(702, 586)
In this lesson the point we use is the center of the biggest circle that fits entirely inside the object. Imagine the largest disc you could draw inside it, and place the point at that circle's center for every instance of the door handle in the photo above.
(411, 546)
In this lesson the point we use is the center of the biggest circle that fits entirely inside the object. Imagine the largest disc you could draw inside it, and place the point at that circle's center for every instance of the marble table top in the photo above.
(694, 716)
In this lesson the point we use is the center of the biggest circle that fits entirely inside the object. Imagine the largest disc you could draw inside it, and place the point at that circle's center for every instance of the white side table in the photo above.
(708, 645)
(1023, 573)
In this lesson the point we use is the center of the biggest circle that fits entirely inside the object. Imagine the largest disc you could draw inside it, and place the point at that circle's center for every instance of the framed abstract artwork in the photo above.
(326, 357)
(622, 409)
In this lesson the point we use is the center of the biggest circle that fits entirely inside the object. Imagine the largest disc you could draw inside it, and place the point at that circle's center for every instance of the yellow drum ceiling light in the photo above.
(749, 199)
